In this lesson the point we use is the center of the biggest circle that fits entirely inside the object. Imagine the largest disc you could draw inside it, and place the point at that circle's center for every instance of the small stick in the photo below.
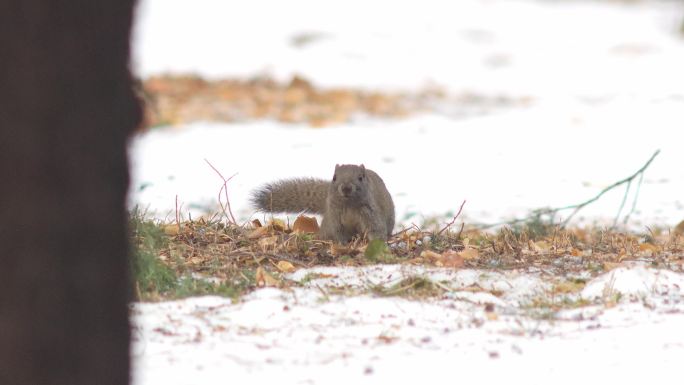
(177, 215)
(453, 220)
(579, 206)
(224, 189)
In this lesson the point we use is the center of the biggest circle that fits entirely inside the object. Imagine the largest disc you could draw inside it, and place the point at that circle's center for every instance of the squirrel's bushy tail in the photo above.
(292, 196)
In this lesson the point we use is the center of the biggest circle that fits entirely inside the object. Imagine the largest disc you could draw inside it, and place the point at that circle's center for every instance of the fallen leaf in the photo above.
(452, 258)
(258, 232)
(277, 224)
(263, 278)
(304, 224)
(268, 241)
(285, 267)
(648, 247)
(430, 255)
(469, 254)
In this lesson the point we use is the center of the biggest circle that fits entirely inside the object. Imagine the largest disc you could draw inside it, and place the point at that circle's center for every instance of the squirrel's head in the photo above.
(350, 181)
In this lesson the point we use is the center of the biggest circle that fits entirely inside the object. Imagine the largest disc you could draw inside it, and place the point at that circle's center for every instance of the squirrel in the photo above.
(355, 203)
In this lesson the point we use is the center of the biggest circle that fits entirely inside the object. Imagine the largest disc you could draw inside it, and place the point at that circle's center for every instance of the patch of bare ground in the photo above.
(174, 100)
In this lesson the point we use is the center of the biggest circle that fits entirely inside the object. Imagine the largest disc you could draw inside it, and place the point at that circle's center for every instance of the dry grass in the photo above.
(236, 259)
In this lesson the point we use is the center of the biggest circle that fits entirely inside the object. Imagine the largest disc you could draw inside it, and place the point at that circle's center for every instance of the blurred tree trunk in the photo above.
(66, 109)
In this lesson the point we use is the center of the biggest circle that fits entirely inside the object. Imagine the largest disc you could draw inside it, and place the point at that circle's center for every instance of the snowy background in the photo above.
(600, 87)
(602, 84)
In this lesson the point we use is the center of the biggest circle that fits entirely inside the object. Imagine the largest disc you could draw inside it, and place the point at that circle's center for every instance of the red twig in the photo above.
(224, 189)
(453, 220)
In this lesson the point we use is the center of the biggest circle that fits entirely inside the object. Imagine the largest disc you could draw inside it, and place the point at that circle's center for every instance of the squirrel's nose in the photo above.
(346, 190)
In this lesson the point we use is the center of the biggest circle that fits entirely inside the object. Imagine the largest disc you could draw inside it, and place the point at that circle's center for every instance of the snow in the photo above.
(603, 81)
(604, 89)
(302, 335)
(503, 165)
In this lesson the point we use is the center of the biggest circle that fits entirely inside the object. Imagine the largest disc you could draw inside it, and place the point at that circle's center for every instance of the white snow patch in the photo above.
(637, 281)
(303, 336)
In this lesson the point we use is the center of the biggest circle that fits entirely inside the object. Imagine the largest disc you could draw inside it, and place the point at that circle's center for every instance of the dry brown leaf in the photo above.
(277, 224)
(259, 232)
(430, 255)
(285, 267)
(337, 249)
(304, 224)
(387, 339)
(263, 278)
(452, 258)
(469, 254)
(268, 241)
(649, 247)
(256, 223)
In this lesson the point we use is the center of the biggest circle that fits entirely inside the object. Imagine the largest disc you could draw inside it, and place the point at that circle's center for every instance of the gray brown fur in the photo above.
(355, 203)
(296, 195)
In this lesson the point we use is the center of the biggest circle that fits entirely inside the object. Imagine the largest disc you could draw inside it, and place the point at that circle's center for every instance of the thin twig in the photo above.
(224, 189)
(622, 204)
(605, 190)
(177, 215)
(453, 220)
(577, 207)
(634, 202)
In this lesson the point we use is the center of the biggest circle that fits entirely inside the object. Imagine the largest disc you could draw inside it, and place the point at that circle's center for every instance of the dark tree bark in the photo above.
(66, 109)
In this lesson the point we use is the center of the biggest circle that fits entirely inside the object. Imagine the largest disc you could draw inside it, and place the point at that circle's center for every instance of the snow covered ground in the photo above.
(604, 89)
(306, 336)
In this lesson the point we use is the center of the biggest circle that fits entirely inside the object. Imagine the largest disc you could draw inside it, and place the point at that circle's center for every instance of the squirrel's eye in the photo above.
(361, 178)
(334, 177)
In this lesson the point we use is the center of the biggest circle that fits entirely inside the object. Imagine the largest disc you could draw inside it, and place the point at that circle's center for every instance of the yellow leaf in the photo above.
(469, 254)
(265, 279)
(285, 267)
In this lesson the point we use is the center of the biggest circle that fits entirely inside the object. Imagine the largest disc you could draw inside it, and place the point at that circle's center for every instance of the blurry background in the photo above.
(510, 105)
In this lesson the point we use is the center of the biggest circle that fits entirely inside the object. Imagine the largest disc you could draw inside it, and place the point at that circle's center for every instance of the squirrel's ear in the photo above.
(363, 168)
(337, 166)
